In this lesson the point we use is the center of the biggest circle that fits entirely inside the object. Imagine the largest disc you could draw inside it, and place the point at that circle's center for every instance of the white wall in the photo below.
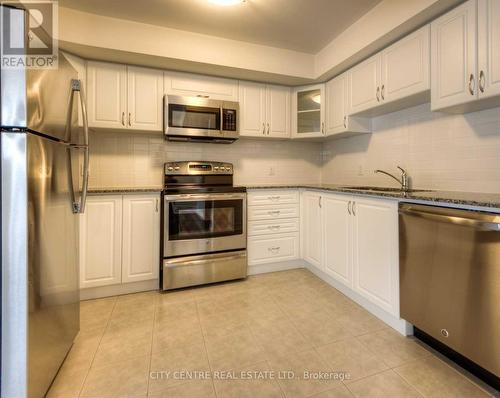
(440, 151)
(136, 160)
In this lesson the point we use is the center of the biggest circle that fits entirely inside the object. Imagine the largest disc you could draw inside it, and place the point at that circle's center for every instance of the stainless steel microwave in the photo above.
(200, 119)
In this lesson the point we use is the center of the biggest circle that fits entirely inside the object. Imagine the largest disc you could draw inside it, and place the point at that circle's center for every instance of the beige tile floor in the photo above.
(259, 328)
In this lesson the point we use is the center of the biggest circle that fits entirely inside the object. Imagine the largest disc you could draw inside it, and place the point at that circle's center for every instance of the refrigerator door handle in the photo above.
(76, 86)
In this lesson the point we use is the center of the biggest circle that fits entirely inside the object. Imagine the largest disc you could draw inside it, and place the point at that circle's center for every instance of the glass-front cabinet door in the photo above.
(308, 112)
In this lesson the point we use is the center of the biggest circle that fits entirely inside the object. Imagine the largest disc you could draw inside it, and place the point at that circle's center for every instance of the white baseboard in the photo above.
(275, 267)
(398, 324)
(116, 290)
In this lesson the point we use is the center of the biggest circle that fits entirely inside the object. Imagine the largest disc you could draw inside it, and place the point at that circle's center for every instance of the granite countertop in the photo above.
(458, 198)
(118, 190)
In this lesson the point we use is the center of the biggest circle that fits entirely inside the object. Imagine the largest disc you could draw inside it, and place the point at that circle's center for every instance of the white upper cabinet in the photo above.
(188, 84)
(337, 231)
(264, 110)
(406, 67)
(141, 237)
(364, 85)
(121, 97)
(101, 241)
(375, 244)
(337, 120)
(252, 109)
(453, 55)
(278, 111)
(308, 112)
(145, 104)
(311, 230)
(106, 95)
(393, 79)
(489, 48)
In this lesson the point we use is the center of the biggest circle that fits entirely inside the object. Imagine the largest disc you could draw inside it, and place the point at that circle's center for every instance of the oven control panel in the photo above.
(197, 168)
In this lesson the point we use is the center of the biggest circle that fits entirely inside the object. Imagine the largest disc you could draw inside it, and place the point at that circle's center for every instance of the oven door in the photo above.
(204, 223)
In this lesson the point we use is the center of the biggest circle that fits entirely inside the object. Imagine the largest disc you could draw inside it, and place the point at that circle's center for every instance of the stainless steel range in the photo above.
(204, 225)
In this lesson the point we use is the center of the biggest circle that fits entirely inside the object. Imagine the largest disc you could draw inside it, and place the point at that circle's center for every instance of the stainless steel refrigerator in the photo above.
(44, 173)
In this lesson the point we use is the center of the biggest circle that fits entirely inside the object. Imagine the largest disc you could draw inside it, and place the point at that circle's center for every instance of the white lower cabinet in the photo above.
(311, 228)
(337, 238)
(375, 252)
(273, 226)
(354, 240)
(101, 242)
(119, 240)
(141, 238)
(273, 248)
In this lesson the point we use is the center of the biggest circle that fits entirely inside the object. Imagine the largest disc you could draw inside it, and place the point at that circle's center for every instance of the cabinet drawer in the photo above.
(272, 197)
(273, 227)
(273, 248)
(273, 212)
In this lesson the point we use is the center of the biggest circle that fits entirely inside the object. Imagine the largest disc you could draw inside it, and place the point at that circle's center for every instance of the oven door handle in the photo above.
(218, 196)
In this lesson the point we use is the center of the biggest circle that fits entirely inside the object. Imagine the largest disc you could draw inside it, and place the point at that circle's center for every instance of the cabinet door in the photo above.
(405, 66)
(308, 112)
(364, 85)
(178, 83)
(336, 112)
(101, 242)
(278, 111)
(145, 99)
(453, 57)
(375, 243)
(489, 48)
(252, 109)
(337, 237)
(141, 237)
(107, 95)
(311, 228)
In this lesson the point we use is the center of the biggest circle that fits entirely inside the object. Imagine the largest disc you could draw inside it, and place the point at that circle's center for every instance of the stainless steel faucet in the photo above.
(404, 178)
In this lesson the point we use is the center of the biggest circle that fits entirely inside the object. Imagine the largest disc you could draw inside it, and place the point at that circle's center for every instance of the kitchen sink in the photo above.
(384, 189)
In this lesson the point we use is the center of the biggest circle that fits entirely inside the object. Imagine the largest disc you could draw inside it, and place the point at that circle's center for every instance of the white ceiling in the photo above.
(301, 25)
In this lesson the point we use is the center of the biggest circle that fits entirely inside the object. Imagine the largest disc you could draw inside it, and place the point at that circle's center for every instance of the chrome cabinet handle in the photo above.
(471, 84)
(349, 207)
(378, 91)
(263, 128)
(129, 119)
(322, 127)
(274, 227)
(482, 81)
(156, 208)
(123, 118)
(274, 249)
(274, 212)
(274, 198)
(353, 208)
(268, 128)
(203, 96)
(319, 202)
(382, 92)
(345, 122)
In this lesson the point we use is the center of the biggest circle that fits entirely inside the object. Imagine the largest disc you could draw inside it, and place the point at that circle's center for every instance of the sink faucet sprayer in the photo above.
(404, 178)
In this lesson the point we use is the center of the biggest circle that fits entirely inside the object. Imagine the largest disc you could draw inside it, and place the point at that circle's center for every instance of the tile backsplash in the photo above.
(121, 159)
(440, 151)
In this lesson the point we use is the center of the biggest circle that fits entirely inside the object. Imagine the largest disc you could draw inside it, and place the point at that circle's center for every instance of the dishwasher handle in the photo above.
(449, 219)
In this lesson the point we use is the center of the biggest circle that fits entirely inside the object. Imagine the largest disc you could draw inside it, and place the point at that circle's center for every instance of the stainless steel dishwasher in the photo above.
(450, 279)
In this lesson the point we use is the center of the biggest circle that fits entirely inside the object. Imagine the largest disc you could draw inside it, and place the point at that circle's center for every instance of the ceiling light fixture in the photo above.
(226, 2)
